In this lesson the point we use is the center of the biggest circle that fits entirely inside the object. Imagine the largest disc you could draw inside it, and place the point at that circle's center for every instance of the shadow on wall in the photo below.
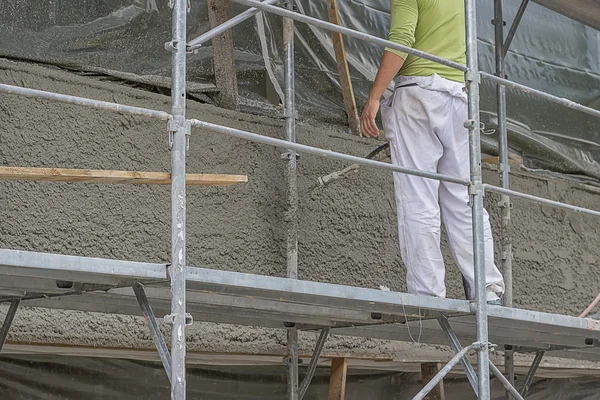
(70, 378)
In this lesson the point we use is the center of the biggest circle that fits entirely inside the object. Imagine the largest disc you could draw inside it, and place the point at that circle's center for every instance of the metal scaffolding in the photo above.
(180, 291)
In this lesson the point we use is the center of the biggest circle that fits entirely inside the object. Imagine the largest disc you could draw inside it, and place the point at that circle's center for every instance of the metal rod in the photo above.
(509, 362)
(253, 137)
(292, 361)
(507, 385)
(312, 367)
(541, 200)
(443, 372)
(8, 320)
(238, 19)
(504, 169)
(531, 374)
(82, 101)
(506, 242)
(513, 27)
(472, 81)
(157, 336)
(291, 212)
(534, 92)
(349, 32)
(457, 347)
(178, 129)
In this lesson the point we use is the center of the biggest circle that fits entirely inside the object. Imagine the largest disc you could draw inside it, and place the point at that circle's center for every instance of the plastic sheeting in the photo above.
(74, 378)
(550, 52)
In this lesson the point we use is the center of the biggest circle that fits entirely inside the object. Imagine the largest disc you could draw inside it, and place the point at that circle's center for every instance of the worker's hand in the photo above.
(367, 120)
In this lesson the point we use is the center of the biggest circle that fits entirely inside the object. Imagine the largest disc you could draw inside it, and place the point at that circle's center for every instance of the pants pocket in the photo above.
(388, 116)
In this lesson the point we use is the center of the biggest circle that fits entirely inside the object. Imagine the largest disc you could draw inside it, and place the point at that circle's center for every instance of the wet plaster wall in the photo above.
(347, 230)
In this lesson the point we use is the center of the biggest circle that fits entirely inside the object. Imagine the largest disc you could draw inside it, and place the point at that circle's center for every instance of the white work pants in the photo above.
(424, 123)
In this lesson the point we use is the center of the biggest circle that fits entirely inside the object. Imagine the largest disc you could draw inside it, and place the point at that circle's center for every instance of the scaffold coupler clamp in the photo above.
(485, 131)
(495, 21)
(505, 202)
(170, 318)
(484, 346)
(503, 167)
(195, 50)
(470, 125)
(188, 133)
(285, 5)
(289, 360)
(471, 76)
(173, 126)
(288, 155)
(474, 189)
(172, 4)
(172, 47)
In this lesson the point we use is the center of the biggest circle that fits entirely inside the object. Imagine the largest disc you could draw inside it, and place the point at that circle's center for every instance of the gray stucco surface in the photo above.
(347, 230)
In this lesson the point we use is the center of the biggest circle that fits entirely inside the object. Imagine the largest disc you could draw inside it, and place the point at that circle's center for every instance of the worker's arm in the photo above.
(390, 65)
(402, 31)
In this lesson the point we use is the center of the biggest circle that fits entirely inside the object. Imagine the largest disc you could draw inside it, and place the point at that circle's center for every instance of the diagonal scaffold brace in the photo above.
(532, 370)
(312, 366)
(446, 370)
(507, 385)
(157, 336)
(457, 347)
(8, 320)
(224, 27)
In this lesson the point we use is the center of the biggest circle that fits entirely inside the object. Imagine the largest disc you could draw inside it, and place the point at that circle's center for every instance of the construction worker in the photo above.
(424, 123)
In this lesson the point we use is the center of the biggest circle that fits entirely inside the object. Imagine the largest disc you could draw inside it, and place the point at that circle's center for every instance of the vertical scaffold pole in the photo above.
(292, 363)
(503, 166)
(476, 190)
(504, 169)
(291, 217)
(178, 138)
(291, 213)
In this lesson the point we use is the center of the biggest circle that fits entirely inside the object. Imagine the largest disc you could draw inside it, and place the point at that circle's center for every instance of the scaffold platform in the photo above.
(183, 293)
(105, 285)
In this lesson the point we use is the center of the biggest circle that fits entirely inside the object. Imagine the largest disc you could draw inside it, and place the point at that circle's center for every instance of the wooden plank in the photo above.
(428, 371)
(514, 161)
(110, 176)
(223, 58)
(343, 70)
(337, 379)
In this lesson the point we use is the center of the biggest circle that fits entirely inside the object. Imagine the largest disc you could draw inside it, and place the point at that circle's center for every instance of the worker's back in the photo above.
(433, 26)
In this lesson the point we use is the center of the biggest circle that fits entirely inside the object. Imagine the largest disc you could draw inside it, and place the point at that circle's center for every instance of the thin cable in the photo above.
(418, 341)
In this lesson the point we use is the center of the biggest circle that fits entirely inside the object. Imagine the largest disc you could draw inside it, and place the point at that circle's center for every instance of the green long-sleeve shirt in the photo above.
(433, 26)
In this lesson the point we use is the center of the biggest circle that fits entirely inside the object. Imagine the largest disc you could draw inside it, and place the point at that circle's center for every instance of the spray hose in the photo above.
(324, 180)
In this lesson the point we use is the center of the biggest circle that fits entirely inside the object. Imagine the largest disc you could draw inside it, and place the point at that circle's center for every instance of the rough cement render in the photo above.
(347, 230)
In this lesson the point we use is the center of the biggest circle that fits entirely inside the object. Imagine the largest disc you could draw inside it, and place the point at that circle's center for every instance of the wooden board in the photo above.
(223, 58)
(428, 371)
(337, 379)
(343, 70)
(514, 161)
(109, 176)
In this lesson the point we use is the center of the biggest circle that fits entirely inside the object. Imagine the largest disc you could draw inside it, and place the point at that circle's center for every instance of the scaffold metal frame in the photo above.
(127, 287)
